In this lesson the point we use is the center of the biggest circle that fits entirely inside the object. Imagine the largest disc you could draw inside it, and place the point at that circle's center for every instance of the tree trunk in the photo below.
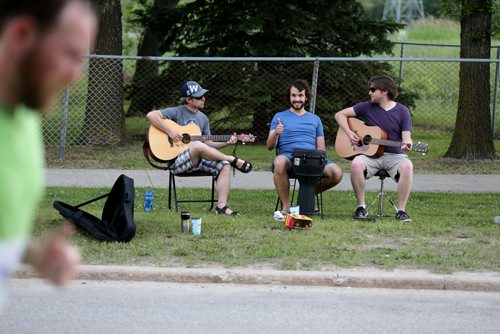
(104, 122)
(144, 95)
(473, 138)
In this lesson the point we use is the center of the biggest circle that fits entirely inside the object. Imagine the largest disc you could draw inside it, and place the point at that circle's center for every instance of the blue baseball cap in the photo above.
(192, 89)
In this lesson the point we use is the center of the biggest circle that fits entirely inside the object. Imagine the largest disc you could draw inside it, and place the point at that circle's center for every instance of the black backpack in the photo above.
(117, 223)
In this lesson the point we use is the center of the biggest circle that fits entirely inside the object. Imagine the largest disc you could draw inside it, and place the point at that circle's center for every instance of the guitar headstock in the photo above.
(420, 147)
(246, 138)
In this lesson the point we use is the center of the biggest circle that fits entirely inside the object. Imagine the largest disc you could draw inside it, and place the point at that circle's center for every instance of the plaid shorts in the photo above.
(183, 164)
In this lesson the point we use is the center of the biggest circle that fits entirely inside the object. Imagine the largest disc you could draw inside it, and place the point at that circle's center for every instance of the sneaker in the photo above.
(403, 216)
(360, 213)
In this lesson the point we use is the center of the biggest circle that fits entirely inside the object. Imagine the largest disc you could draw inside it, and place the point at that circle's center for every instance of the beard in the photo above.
(31, 86)
(301, 105)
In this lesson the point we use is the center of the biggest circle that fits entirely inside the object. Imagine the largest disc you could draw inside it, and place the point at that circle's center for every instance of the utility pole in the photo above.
(403, 10)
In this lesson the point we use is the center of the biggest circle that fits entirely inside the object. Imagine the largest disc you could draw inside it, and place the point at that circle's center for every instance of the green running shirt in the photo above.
(21, 184)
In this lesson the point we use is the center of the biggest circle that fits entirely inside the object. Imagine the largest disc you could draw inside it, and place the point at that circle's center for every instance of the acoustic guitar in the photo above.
(372, 142)
(163, 148)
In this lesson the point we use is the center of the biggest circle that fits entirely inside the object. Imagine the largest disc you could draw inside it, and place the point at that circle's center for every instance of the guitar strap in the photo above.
(234, 155)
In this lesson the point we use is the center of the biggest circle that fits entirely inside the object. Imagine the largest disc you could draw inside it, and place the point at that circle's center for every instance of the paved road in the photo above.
(145, 307)
(262, 180)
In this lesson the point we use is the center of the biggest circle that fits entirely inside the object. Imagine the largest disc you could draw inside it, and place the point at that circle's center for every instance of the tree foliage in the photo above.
(249, 28)
(248, 91)
(143, 89)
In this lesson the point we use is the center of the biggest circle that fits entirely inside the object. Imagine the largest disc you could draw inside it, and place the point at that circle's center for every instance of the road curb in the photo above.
(487, 282)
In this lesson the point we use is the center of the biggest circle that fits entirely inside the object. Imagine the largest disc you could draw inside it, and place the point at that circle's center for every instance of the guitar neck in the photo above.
(211, 137)
(386, 142)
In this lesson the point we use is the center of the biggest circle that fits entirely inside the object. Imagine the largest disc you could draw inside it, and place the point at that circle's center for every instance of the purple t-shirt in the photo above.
(394, 121)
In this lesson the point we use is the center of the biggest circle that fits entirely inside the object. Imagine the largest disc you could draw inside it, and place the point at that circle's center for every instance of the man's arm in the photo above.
(219, 145)
(54, 258)
(406, 135)
(341, 118)
(320, 143)
(272, 139)
(155, 117)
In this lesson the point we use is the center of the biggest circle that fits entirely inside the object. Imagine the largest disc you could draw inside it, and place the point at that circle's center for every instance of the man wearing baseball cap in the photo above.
(203, 156)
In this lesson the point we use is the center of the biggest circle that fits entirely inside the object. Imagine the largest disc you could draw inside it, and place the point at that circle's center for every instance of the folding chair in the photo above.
(172, 186)
(164, 165)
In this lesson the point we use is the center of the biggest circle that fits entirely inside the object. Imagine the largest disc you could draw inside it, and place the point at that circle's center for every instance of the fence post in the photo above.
(495, 93)
(314, 87)
(401, 64)
(64, 124)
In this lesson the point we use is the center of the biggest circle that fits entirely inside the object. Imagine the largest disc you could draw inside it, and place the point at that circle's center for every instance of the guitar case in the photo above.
(117, 221)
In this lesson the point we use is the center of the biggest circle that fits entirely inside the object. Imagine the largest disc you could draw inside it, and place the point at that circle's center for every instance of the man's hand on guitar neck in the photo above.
(407, 142)
(232, 140)
(406, 147)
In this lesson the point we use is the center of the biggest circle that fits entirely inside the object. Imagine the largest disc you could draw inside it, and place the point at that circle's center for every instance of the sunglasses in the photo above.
(372, 89)
(198, 98)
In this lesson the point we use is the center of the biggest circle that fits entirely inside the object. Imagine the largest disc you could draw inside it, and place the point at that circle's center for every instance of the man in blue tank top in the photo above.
(383, 111)
(296, 128)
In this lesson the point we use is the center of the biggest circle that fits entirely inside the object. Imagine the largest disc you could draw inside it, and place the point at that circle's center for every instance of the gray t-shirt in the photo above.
(183, 116)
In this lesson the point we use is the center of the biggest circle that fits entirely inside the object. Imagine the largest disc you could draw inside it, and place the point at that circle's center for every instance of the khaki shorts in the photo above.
(388, 161)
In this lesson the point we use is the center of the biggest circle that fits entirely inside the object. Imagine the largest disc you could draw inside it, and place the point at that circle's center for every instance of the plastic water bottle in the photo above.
(148, 201)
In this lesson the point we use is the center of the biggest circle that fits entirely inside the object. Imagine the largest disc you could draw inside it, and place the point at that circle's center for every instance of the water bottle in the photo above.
(185, 221)
(148, 201)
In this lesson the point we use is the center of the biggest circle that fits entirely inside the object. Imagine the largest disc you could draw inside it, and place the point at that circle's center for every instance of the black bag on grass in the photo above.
(117, 223)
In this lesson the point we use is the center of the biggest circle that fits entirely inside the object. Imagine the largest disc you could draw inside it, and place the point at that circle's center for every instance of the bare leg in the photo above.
(199, 150)
(281, 181)
(358, 180)
(222, 187)
(405, 182)
(332, 175)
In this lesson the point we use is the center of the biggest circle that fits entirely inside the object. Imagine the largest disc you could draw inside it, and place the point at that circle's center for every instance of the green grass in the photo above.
(430, 30)
(450, 232)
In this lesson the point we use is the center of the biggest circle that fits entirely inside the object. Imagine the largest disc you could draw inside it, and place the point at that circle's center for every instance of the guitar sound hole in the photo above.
(367, 139)
(186, 138)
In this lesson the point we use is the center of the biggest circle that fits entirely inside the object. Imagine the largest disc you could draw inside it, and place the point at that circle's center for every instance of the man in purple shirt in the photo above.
(383, 111)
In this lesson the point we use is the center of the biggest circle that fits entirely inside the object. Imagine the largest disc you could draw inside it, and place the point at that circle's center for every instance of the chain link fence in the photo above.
(244, 94)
